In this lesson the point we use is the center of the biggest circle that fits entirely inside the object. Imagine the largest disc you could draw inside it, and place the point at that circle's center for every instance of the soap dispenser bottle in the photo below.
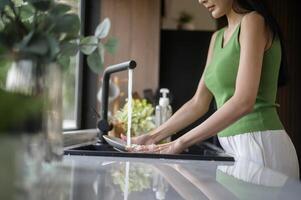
(165, 105)
(163, 111)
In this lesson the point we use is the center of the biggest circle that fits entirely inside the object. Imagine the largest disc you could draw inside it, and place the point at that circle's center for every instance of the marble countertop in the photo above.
(113, 178)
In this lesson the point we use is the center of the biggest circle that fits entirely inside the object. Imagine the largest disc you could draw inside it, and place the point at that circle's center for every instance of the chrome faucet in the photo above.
(103, 125)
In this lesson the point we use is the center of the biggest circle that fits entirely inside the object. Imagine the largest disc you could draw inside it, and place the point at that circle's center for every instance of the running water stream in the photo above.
(128, 135)
(130, 100)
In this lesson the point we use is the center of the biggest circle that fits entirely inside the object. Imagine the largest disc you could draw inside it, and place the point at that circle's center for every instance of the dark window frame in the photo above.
(88, 80)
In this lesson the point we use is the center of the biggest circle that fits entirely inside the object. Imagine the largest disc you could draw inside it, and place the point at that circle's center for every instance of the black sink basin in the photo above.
(203, 151)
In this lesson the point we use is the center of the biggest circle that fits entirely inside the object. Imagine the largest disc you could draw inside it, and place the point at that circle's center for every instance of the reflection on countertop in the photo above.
(88, 177)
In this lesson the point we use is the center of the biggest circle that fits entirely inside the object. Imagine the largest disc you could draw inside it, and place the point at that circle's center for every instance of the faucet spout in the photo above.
(103, 124)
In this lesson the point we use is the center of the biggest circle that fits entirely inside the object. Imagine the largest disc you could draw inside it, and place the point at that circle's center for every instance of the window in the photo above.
(72, 80)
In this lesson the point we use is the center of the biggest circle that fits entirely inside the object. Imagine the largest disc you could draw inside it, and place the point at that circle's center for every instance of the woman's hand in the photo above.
(174, 147)
(144, 139)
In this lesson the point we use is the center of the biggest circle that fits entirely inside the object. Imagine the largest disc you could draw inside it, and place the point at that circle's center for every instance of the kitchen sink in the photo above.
(202, 151)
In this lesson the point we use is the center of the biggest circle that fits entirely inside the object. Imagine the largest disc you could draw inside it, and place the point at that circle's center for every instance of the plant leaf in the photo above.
(17, 3)
(111, 45)
(64, 61)
(101, 51)
(68, 23)
(26, 40)
(54, 47)
(60, 9)
(37, 45)
(95, 62)
(69, 49)
(103, 28)
(2, 26)
(88, 45)
(26, 12)
(42, 5)
(45, 22)
(3, 3)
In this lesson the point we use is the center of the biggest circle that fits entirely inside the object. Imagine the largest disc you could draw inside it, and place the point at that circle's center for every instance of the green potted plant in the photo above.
(37, 39)
(47, 31)
(185, 21)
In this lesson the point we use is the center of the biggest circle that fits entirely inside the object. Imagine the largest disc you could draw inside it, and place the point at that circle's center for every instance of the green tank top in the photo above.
(220, 77)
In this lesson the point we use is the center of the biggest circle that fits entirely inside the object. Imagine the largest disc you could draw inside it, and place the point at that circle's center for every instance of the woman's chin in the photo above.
(216, 15)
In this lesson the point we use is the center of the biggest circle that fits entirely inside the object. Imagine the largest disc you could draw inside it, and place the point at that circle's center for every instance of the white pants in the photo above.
(271, 149)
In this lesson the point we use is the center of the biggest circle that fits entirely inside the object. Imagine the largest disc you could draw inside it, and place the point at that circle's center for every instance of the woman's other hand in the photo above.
(174, 147)
(144, 139)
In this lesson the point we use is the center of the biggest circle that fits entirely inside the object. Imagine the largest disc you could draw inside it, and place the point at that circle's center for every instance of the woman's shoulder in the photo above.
(254, 28)
(253, 20)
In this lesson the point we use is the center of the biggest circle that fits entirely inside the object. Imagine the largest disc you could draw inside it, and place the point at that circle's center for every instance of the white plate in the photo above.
(115, 142)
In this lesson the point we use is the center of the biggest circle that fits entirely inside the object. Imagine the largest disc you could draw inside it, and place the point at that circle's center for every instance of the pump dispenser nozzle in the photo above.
(164, 91)
(164, 100)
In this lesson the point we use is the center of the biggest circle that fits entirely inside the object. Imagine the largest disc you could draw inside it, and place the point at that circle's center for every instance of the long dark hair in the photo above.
(244, 6)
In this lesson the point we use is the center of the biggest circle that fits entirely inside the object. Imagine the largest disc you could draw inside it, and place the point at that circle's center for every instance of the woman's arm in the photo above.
(192, 110)
(253, 39)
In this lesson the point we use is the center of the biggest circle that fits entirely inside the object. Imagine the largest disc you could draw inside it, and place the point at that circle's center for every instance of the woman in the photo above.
(241, 73)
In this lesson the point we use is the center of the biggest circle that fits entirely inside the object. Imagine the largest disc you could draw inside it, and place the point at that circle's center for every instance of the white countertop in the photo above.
(113, 178)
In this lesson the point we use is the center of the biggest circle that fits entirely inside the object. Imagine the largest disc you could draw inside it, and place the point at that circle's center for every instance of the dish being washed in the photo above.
(120, 145)
(115, 142)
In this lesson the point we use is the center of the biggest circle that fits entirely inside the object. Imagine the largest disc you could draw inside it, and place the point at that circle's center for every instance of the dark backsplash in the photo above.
(182, 61)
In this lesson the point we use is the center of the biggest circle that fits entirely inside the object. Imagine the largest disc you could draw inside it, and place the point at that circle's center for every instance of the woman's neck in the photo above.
(233, 19)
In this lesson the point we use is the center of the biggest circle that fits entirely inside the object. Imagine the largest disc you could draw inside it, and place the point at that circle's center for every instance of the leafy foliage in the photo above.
(48, 31)
(142, 121)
